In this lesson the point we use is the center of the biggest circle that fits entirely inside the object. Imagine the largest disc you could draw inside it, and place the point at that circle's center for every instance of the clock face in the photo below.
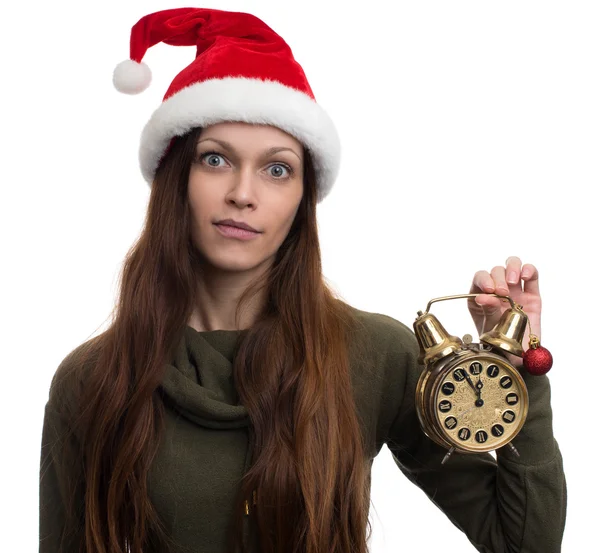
(480, 403)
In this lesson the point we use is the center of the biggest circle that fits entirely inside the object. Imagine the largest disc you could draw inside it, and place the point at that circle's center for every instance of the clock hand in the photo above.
(476, 389)
(465, 412)
(472, 385)
(479, 385)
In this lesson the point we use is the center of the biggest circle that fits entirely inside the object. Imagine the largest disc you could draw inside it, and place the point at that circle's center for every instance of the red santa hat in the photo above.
(243, 71)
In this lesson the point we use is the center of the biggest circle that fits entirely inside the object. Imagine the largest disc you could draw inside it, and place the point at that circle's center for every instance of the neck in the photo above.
(217, 297)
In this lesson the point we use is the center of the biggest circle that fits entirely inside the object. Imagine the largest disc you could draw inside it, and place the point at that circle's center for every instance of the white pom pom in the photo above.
(131, 77)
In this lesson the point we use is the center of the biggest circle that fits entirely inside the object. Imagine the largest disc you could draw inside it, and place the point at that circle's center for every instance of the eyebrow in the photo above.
(267, 153)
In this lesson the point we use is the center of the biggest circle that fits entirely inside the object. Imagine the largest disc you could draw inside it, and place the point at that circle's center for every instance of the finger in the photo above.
(482, 284)
(513, 270)
(530, 276)
(499, 286)
(499, 275)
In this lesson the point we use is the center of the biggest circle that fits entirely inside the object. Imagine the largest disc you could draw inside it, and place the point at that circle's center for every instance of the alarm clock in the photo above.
(469, 397)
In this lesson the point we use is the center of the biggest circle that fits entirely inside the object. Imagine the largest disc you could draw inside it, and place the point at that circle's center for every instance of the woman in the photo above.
(235, 403)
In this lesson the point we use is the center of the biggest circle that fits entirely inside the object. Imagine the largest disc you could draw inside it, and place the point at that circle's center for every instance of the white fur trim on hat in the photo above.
(245, 100)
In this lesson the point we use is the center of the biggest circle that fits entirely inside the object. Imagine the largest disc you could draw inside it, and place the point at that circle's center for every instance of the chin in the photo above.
(234, 264)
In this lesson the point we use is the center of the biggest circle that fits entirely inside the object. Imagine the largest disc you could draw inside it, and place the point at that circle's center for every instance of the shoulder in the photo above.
(70, 376)
(386, 334)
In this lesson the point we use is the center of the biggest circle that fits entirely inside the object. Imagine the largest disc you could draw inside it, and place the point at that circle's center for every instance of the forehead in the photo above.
(250, 134)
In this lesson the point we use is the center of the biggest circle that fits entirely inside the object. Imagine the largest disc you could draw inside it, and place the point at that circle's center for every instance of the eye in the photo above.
(213, 155)
(286, 167)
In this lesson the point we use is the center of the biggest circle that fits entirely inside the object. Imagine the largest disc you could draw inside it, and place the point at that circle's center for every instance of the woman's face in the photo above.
(234, 176)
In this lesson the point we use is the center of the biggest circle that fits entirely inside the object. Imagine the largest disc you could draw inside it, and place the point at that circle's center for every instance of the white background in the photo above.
(470, 132)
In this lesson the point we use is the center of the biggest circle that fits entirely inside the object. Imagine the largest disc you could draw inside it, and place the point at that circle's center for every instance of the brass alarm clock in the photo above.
(469, 397)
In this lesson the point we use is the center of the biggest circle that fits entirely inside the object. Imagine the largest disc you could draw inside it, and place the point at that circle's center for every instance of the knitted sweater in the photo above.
(506, 505)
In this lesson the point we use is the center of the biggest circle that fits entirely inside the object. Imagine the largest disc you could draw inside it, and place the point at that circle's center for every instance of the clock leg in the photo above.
(513, 449)
(447, 456)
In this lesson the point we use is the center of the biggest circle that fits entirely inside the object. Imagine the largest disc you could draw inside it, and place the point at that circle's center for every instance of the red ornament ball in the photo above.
(537, 361)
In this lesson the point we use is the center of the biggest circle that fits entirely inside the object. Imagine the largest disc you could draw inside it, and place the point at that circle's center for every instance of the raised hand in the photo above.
(521, 283)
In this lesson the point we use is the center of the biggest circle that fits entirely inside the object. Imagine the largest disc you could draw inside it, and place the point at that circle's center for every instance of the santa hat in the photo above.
(243, 71)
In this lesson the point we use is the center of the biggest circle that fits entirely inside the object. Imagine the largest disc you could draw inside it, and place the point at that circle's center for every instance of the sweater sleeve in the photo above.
(508, 504)
(59, 457)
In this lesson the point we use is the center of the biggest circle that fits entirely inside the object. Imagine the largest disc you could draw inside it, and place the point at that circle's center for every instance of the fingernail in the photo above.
(512, 277)
(525, 274)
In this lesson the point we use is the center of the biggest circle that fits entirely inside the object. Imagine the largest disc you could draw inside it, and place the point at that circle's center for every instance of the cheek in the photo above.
(293, 213)
(201, 202)
(283, 218)
(200, 221)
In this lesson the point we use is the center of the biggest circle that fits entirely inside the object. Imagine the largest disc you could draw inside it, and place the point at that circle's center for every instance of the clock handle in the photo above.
(443, 298)
(507, 335)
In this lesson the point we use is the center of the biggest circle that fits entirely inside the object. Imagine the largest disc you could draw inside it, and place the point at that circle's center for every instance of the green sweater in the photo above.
(509, 505)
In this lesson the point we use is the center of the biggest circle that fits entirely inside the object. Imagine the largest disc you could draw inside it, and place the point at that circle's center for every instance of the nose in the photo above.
(242, 191)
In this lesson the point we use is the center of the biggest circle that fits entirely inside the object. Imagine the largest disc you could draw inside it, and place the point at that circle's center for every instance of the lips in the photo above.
(236, 224)
(236, 232)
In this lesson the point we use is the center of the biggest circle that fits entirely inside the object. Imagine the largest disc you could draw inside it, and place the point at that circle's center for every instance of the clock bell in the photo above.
(469, 397)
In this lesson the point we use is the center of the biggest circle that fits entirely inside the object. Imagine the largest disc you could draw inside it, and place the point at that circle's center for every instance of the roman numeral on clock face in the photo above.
(481, 436)
(450, 422)
(459, 375)
(512, 398)
(497, 430)
(493, 371)
(464, 434)
(447, 388)
(475, 368)
(445, 406)
(508, 416)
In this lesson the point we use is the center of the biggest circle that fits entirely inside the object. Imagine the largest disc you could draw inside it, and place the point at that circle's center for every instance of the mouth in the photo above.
(236, 224)
(235, 232)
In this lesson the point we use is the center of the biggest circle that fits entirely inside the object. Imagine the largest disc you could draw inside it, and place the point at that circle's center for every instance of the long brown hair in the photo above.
(309, 466)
